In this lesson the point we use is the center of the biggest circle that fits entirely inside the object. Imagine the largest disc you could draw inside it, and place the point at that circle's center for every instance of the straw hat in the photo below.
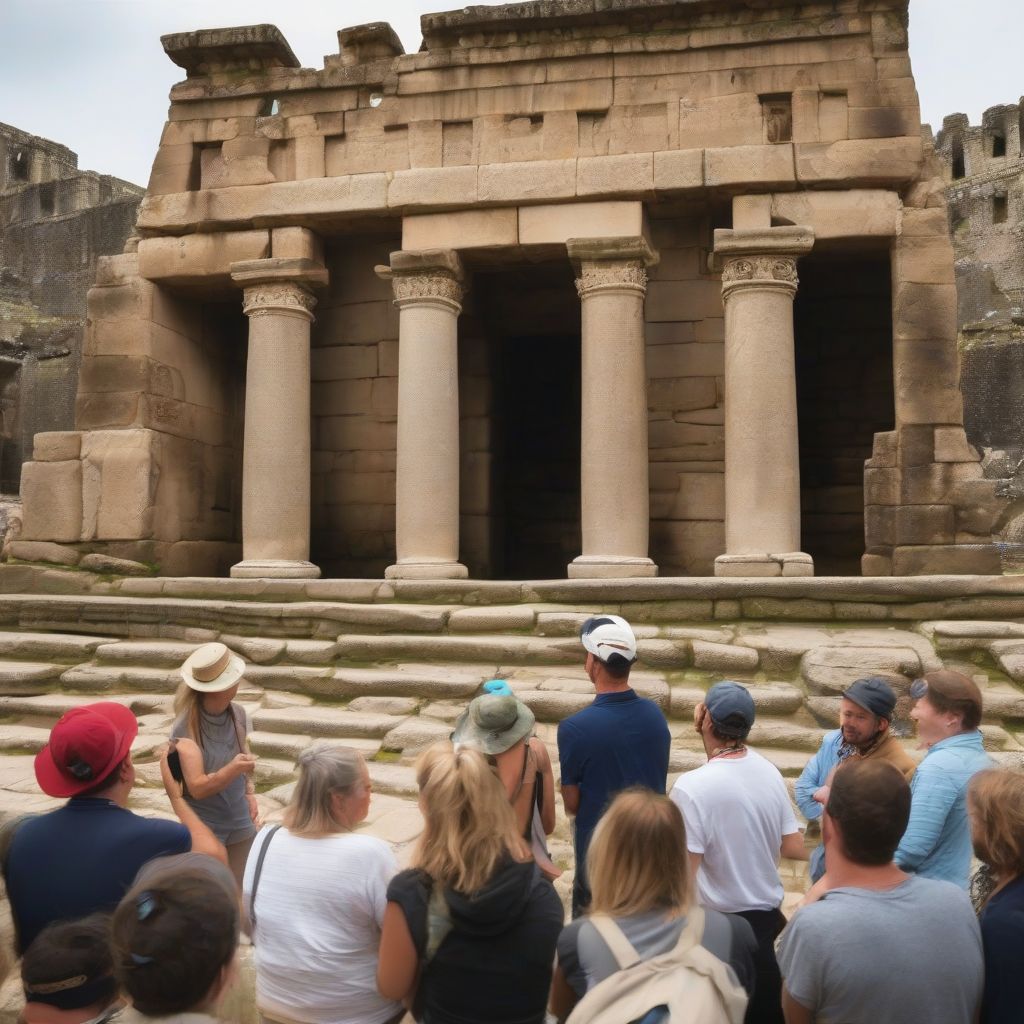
(212, 668)
(493, 723)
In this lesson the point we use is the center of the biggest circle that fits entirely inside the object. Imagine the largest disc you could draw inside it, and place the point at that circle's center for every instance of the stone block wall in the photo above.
(984, 174)
(355, 411)
(55, 222)
(685, 367)
(152, 474)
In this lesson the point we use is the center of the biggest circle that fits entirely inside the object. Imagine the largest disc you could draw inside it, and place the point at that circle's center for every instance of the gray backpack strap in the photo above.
(615, 939)
(256, 875)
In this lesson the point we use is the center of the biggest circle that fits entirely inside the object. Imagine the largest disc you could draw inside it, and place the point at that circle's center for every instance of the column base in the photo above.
(274, 569)
(426, 570)
(792, 563)
(607, 567)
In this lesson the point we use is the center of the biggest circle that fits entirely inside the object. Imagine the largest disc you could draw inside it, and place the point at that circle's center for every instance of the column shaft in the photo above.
(614, 489)
(762, 447)
(428, 292)
(276, 456)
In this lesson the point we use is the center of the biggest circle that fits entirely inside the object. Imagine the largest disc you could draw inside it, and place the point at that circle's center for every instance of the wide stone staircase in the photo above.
(386, 667)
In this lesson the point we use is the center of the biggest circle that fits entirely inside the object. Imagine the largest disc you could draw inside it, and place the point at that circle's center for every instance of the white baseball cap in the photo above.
(608, 636)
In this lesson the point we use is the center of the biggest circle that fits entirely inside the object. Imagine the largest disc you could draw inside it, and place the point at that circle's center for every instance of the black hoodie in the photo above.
(494, 966)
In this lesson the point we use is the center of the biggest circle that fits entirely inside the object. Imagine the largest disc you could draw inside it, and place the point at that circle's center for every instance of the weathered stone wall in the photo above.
(55, 222)
(984, 173)
(354, 404)
(514, 135)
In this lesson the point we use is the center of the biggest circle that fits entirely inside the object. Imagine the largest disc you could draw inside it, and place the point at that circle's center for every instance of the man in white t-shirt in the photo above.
(739, 821)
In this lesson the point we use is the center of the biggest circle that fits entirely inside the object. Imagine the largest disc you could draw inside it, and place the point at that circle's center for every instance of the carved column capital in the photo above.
(774, 270)
(611, 275)
(611, 264)
(278, 298)
(427, 277)
(761, 257)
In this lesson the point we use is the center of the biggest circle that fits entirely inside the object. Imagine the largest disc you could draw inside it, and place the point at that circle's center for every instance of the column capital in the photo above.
(426, 277)
(279, 286)
(611, 264)
(761, 257)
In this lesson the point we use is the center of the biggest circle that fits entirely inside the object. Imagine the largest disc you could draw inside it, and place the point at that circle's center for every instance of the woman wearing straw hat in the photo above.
(210, 736)
(501, 727)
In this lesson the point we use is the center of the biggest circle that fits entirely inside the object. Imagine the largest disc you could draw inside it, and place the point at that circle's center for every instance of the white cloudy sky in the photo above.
(91, 73)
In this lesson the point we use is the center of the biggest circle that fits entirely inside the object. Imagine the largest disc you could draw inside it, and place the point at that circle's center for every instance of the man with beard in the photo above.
(865, 715)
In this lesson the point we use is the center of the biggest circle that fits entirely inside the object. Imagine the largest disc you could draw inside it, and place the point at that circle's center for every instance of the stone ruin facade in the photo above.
(984, 169)
(604, 288)
(55, 221)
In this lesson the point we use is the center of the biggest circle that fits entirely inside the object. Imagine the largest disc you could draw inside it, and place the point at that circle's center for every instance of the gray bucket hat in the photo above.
(493, 723)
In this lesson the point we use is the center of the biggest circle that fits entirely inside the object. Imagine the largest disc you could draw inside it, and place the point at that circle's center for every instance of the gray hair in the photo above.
(323, 771)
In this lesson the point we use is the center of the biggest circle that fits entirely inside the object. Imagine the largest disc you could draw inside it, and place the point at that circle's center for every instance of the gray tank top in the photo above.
(227, 812)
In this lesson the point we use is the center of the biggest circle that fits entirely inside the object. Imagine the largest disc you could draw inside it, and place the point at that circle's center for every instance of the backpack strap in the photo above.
(693, 931)
(615, 939)
(272, 831)
(238, 718)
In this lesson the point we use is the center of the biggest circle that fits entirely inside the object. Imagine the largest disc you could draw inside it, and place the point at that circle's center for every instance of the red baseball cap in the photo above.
(85, 746)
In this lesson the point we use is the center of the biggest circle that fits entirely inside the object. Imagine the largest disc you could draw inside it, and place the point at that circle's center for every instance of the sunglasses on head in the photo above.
(918, 688)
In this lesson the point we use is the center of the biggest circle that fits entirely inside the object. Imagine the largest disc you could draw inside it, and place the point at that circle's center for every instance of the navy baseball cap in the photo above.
(874, 695)
(731, 708)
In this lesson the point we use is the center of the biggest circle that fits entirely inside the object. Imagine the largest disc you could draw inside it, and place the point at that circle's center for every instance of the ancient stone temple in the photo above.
(608, 288)
(984, 167)
(55, 221)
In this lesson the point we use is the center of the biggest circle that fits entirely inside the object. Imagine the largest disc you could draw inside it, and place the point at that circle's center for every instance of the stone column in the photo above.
(762, 450)
(614, 490)
(276, 457)
(428, 288)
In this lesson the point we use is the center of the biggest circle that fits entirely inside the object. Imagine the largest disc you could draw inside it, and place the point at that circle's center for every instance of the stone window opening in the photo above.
(270, 106)
(998, 144)
(959, 165)
(47, 199)
(1000, 209)
(19, 165)
(777, 114)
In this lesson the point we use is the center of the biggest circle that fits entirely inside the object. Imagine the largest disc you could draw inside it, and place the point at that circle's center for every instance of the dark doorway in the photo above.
(537, 487)
(520, 400)
(843, 323)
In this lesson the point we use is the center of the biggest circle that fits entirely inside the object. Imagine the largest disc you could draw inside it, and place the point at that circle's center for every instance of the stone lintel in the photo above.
(217, 49)
(588, 250)
(296, 270)
(361, 44)
(781, 241)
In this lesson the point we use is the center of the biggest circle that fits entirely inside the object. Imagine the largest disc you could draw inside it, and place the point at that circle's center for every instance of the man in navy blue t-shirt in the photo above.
(621, 740)
(82, 857)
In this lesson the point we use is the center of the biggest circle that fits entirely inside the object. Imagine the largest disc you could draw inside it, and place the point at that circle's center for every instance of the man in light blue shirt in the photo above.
(865, 714)
(937, 842)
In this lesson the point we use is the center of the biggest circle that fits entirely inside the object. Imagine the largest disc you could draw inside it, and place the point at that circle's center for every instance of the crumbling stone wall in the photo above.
(984, 174)
(55, 221)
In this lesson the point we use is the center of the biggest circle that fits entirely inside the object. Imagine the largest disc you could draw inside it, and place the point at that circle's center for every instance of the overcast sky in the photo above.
(91, 74)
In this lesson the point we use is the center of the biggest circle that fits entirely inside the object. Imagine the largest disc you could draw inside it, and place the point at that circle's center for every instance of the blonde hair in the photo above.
(996, 803)
(637, 860)
(189, 703)
(469, 825)
(323, 771)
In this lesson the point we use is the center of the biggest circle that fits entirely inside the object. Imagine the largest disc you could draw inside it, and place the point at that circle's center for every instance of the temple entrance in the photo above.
(843, 325)
(519, 355)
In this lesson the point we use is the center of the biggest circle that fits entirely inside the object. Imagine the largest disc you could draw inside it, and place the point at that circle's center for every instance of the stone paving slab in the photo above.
(325, 720)
(28, 677)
